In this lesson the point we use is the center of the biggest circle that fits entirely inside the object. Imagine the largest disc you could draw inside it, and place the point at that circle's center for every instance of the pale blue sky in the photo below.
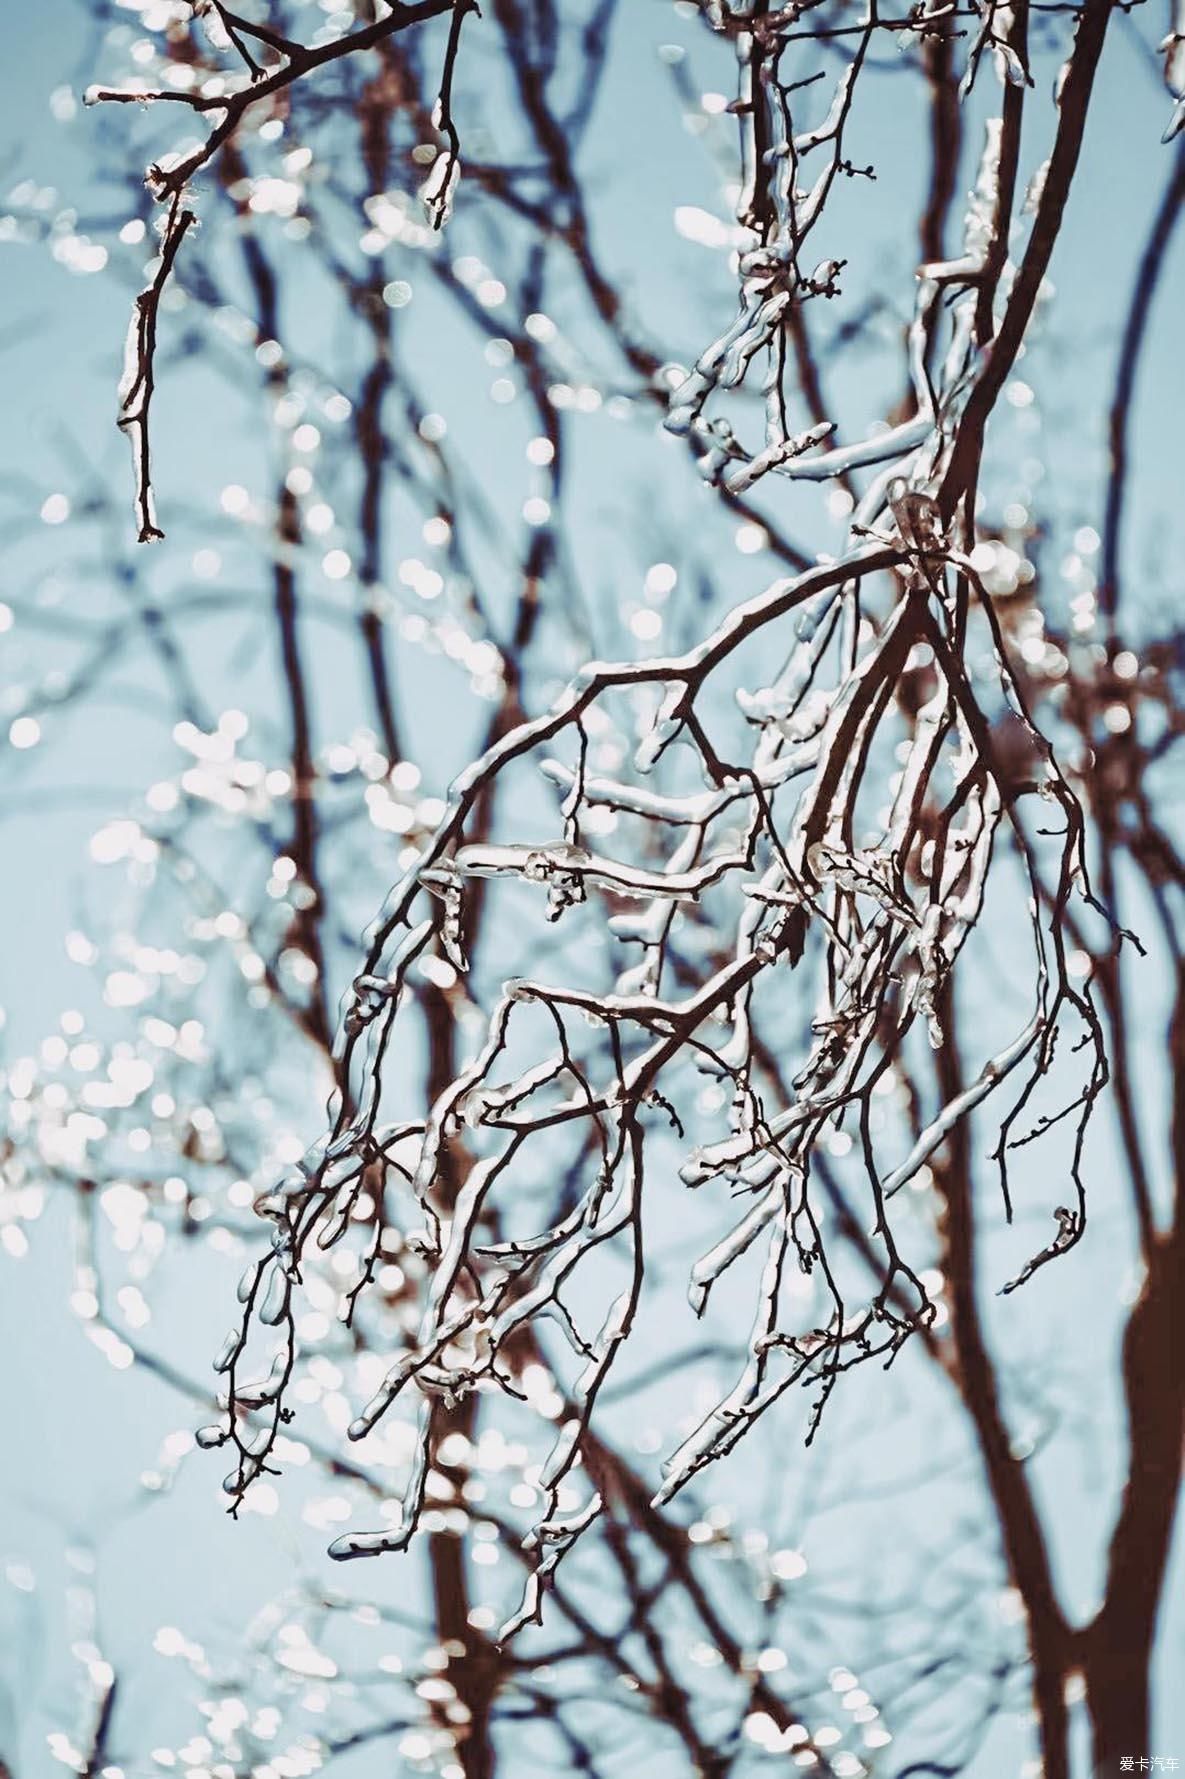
(84, 1432)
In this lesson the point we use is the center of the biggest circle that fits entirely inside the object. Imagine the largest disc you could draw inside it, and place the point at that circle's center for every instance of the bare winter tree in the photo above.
(730, 958)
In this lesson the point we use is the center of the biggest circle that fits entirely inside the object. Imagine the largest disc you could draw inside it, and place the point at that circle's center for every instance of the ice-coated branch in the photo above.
(827, 839)
(878, 924)
(226, 105)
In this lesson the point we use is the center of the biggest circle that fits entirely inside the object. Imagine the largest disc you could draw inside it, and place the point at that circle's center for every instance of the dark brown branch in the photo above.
(1074, 103)
(1135, 330)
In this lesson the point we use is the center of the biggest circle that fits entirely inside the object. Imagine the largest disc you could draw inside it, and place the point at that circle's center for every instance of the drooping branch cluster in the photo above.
(776, 849)
(851, 838)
